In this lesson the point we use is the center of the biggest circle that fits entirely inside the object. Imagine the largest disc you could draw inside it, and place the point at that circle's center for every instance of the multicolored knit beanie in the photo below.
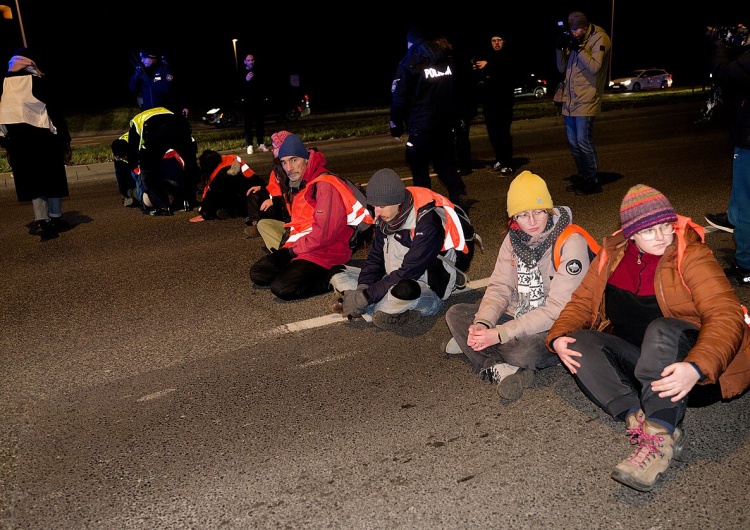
(644, 207)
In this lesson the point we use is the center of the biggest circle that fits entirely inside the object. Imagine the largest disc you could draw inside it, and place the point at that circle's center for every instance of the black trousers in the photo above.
(290, 279)
(617, 376)
(438, 148)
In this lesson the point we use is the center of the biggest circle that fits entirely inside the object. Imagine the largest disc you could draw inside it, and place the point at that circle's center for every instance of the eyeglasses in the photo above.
(650, 233)
(525, 217)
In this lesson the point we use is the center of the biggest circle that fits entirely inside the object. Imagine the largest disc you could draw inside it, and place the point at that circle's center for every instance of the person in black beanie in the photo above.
(410, 268)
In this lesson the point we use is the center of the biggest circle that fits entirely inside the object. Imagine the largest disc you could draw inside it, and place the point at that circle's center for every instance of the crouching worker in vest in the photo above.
(503, 337)
(324, 214)
(409, 269)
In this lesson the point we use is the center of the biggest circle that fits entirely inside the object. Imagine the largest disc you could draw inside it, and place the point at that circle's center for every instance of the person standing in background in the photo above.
(252, 93)
(35, 135)
(466, 87)
(497, 93)
(730, 69)
(152, 83)
(583, 55)
(423, 105)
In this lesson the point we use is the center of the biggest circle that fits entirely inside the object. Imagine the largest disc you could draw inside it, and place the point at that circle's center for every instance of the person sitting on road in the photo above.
(270, 207)
(503, 337)
(229, 182)
(410, 267)
(653, 326)
(324, 214)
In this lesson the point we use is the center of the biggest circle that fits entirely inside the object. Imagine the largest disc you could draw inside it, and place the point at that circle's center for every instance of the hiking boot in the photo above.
(738, 275)
(650, 460)
(511, 380)
(390, 322)
(634, 425)
(252, 231)
(720, 221)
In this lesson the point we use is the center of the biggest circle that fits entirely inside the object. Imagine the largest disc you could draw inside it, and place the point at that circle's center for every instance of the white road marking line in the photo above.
(336, 318)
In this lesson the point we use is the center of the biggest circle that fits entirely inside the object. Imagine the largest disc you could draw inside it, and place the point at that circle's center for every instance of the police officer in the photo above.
(423, 99)
(152, 82)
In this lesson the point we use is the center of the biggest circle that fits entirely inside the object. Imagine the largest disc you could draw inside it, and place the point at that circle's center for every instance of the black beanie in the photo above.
(385, 188)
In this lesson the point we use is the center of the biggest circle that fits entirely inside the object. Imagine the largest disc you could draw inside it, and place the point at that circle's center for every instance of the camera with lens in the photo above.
(566, 40)
(731, 36)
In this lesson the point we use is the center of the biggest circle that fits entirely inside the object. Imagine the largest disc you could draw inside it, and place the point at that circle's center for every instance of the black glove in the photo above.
(574, 45)
(355, 302)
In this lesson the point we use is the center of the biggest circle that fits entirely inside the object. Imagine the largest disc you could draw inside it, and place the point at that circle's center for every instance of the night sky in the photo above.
(344, 59)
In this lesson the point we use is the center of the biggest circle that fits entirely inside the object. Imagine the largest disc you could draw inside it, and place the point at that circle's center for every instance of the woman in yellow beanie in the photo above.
(503, 337)
(654, 323)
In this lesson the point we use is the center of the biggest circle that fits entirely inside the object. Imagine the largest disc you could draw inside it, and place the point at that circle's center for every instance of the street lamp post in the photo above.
(611, 40)
(236, 64)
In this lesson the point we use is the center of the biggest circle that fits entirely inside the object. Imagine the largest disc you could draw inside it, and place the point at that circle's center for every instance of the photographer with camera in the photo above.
(730, 70)
(583, 52)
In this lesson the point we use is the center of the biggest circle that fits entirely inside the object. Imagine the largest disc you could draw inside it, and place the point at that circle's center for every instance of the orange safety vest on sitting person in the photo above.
(274, 190)
(302, 210)
(454, 235)
(227, 161)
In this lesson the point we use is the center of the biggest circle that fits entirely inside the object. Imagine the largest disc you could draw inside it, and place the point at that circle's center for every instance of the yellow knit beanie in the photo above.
(528, 192)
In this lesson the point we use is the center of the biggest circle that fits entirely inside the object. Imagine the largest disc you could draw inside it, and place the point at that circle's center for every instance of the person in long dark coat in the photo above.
(35, 136)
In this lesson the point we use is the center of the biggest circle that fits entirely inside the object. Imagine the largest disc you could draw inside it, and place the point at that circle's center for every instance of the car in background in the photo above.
(531, 85)
(643, 79)
(286, 103)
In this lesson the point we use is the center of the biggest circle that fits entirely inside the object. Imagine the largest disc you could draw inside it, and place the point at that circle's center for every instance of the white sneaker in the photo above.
(451, 347)
(497, 166)
(263, 148)
(249, 149)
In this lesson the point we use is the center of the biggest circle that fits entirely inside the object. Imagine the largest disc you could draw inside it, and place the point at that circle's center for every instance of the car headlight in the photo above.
(626, 83)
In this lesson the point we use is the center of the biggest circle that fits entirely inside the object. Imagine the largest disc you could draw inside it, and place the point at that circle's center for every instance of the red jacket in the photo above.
(321, 217)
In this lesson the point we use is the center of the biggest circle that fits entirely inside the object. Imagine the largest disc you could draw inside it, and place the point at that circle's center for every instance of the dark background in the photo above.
(344, 60)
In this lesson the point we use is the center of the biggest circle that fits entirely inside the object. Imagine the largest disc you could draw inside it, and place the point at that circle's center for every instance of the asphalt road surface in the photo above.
(147, 385)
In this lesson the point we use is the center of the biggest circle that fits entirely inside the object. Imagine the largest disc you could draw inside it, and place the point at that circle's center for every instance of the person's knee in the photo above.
(406, 290)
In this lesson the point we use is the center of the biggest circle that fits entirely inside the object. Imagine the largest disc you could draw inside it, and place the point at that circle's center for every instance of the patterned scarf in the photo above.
(530, 281)
(398, 221)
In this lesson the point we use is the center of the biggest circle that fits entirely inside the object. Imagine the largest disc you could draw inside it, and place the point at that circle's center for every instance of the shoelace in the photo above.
(648, 447)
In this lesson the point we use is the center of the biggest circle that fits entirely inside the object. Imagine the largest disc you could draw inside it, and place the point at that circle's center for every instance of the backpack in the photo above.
(594, 245)
(463, 259)
(363, 232)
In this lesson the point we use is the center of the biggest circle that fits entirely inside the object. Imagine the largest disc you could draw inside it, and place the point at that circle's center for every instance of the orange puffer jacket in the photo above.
(690, 285)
